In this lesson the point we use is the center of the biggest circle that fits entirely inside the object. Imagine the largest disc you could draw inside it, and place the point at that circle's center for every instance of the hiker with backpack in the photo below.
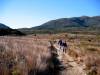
(60, 43)
(63, 45)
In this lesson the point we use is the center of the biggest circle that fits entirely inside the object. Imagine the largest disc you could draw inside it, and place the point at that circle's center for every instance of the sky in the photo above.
(30, 13)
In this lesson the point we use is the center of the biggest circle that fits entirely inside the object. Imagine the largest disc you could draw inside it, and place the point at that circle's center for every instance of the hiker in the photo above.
(64, 45)
(60, 43)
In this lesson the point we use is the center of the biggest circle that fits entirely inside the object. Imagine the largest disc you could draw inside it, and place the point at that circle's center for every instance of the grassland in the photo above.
(31, 55)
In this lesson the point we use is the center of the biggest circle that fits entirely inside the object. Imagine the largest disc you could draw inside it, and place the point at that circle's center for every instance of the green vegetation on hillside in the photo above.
(75, 24)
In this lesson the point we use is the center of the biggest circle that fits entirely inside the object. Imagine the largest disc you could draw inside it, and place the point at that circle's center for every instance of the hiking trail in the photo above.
(71, 66)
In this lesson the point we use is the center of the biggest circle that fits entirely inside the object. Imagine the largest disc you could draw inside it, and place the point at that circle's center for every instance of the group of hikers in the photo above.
(63, 45)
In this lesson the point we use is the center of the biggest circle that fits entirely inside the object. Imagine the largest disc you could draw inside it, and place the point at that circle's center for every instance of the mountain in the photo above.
(84, 23)
(2, 26)
(5, 30)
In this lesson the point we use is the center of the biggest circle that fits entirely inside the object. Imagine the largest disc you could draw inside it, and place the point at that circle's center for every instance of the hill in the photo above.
(73, 24)
(5, 30)
(2, 26)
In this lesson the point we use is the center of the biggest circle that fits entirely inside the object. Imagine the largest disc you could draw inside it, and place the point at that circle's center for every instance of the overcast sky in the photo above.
(30, 13)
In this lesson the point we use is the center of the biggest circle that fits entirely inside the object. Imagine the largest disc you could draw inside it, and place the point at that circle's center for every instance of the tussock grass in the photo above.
(23, 56)
(30, 55)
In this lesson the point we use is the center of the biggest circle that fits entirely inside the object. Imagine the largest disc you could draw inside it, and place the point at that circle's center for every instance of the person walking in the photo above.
(64, 44)
(60, 43)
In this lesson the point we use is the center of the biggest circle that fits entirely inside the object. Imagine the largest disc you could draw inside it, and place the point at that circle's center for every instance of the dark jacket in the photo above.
(60, 42)
(64, 44)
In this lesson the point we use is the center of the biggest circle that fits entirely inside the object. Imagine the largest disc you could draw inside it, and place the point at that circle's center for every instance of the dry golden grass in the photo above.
(87, 48)
(22, 55)
(30, 55)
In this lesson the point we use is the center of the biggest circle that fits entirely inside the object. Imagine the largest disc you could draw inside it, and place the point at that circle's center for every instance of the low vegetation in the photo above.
(31, 55)
(23, 56)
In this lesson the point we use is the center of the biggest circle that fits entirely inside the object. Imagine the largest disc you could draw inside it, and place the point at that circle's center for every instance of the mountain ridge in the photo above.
(3, 26)
(83, 23)
(5, 30)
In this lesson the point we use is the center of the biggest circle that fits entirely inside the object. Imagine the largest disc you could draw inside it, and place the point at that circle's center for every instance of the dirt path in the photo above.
(72, 67)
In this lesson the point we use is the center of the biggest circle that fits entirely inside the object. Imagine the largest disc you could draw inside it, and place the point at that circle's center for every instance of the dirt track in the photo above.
(72, 67)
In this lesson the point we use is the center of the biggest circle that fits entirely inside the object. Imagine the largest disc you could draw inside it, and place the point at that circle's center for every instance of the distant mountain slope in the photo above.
(83, 23)
(5, 30)
(2, 26)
